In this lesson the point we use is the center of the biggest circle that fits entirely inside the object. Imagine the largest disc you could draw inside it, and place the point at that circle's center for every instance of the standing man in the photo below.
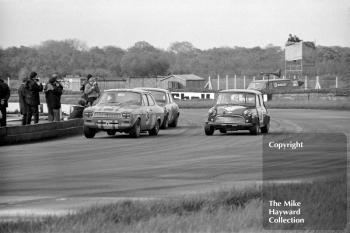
(23, 106)
(4, 97)
(92, 90)
(33, 99)
(53, 91)
(83, 84)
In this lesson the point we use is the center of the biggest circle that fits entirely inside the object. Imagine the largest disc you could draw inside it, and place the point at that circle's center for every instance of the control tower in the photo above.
(300, 59)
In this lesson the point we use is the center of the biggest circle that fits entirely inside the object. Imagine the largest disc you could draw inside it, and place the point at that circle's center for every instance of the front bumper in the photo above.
(108, 124)
(230, 126)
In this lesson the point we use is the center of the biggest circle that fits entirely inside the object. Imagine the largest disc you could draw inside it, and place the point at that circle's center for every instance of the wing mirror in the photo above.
(265, 97)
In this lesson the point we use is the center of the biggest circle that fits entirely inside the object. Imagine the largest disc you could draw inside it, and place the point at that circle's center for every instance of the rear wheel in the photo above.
(111, 132)
(209, 130)
(155, 129)
(89, 132)
(135, 130)
(266, 128)
(255, 130)
(165, 123)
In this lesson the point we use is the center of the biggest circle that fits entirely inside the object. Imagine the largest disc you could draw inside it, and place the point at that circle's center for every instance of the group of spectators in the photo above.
(29, 98)
(292, 39)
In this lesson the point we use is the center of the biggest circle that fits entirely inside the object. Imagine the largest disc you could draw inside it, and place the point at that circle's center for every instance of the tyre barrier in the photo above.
(28, 133)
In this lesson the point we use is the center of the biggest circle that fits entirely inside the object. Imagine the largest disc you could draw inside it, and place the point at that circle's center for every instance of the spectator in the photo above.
(290, 38)
(82, 88)
(296, 39)
(23, 106)
(91, 90)
(78, 110)
(4, 97)
(53, 91)
(33, 98)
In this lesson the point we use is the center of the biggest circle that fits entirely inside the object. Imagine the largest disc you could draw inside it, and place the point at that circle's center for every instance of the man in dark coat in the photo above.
(23, 106)
(53, 91)
(78, 110)
(33, 98)
(4, 97)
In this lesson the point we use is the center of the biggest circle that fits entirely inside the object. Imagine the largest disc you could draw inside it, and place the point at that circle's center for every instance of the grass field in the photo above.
(220, 211)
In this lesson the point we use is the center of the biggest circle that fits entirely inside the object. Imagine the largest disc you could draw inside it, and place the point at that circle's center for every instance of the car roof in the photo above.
(152, 89)
(241, 91)
(129, 90)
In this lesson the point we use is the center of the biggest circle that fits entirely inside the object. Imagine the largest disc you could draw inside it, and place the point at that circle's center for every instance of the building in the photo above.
(182, 81)
(300, 59)
(111, 83)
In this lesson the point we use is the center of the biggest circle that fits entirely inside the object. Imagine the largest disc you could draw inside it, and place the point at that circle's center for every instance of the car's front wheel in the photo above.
(266, 128)
(255, 130)
(89, 132)
(136, 129)
(174, 123)
(165, 123)
(155, 129)
(209, 130)
(223, 131)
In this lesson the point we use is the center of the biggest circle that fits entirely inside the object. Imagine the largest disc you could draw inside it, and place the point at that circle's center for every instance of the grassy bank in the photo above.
(221, 211)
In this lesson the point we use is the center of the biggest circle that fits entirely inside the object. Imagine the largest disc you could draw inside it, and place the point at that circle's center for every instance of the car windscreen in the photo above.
(243, 99)
(120, 98)
(159, 96)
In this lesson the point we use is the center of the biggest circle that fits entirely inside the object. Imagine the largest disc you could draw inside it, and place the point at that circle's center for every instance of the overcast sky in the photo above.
(204, 23)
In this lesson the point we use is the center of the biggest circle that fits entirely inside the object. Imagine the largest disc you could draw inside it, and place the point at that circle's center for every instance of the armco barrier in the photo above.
(27, 133)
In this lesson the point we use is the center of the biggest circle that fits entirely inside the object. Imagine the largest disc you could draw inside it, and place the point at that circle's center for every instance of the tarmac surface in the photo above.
(61, 175)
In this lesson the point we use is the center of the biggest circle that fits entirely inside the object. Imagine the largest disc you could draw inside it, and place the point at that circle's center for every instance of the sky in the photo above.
(204, 23)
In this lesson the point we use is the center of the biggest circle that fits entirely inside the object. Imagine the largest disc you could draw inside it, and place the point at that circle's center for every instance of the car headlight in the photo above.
(88, 114)
(247, 113)
(212, 112)
(126, 115)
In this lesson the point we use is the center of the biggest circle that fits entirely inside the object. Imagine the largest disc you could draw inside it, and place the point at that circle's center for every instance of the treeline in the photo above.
(143, 59)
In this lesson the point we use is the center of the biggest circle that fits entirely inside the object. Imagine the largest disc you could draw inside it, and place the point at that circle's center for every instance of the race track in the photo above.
(54, 176)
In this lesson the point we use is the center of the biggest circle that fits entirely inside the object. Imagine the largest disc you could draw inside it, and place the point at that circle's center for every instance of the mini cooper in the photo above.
(123, 110)
(238, 110)
(165, 99)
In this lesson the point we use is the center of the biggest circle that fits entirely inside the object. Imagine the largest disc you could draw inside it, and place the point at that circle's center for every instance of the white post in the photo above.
(8, 81)
(336, 81)
(284, 77)
(235, 82)
(244, 82)
(226, 82)
(218, 82)
(305, 85)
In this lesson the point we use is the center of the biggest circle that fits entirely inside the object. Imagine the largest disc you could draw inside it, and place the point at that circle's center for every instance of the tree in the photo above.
(144, 60)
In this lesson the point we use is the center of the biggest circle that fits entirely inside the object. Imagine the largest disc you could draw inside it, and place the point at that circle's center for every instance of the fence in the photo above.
(316, 82)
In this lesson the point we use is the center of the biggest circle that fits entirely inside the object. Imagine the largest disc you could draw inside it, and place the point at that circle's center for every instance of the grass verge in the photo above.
(221, 211)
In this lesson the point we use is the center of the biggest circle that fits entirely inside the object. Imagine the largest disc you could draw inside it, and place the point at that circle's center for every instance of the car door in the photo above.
(151, 111)
(259, 110)
(263, 110)
(173, 108)
(144, 113)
